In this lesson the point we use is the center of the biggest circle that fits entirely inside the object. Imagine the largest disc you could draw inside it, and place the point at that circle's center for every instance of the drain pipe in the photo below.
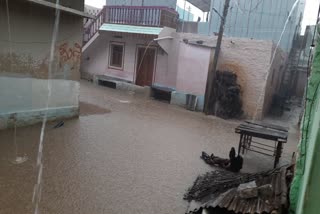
(163, 38)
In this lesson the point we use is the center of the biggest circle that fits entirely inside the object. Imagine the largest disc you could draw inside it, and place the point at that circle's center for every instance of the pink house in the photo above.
(141, 47)
(121, 44)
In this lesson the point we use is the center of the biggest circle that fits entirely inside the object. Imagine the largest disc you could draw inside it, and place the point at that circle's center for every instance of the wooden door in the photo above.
(145, 66)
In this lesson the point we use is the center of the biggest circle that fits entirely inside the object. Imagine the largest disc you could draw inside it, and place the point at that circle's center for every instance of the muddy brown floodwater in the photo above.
(125, 154)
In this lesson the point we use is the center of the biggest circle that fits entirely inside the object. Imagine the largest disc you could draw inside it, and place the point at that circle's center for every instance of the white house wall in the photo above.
(95, 59)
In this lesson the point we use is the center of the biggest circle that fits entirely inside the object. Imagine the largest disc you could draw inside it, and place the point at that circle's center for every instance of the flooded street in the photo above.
(125, 154)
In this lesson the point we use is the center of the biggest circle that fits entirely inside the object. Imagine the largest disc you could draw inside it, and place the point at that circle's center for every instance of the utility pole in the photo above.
(210, 17)
(189, 12)
(210, 96)
(184, 12)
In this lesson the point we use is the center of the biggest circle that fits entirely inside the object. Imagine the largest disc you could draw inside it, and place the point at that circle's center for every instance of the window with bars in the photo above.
(116, 57)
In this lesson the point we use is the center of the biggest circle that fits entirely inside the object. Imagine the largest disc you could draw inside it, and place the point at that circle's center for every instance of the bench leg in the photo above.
(278, 154)
(245, 144)
(249, 142)
(240, 144)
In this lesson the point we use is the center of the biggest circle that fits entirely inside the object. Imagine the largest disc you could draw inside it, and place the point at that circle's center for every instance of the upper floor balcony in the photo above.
(144, 15)
(152, 16)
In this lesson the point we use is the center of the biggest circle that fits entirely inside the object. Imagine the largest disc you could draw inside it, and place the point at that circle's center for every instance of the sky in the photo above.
(310, 15)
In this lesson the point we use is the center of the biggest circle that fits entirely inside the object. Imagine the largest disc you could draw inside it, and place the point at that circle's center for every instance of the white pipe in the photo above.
(162, 38)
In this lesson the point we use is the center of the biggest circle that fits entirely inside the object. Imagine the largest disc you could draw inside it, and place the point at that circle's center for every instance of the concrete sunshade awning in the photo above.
(62, 8)
(131, 29)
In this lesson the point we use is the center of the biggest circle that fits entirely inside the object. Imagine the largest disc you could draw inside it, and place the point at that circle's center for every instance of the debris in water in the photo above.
(20, 160)
(219, 191)
(229, 104)
(59, 125)
(124, 101)
(233, 164)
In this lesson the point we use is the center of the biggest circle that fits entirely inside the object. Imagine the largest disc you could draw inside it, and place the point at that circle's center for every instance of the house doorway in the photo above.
(145, 65)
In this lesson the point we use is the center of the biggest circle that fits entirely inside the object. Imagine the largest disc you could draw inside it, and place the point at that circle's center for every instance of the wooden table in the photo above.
(249, 131)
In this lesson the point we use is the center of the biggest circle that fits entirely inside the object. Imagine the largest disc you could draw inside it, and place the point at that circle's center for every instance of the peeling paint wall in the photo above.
(275, 76)
(31, 32)
(249, 59)
(24, 61)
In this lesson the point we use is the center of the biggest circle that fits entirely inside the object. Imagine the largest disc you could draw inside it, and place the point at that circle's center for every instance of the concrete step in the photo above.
(120, 84)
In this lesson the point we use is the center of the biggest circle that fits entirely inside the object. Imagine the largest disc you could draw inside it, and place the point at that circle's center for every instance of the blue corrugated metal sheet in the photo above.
(188, 16)
(258, 19)
(165, 3)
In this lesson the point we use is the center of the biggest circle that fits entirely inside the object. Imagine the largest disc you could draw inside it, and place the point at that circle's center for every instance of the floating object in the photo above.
(219, 190)
(19, 160)
(59, 125)
(124, 101)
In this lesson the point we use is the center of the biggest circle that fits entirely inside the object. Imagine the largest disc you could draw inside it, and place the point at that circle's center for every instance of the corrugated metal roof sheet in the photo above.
(131, 29)
(219, 189)
(203, 5)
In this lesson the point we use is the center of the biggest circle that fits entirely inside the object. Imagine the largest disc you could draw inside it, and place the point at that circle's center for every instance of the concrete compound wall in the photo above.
(249, 59)
(193, 69)
(95, 59)
(275, 76)
(24, 63)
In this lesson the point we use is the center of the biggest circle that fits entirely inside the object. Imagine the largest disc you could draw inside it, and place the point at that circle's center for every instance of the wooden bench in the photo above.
(250, 130)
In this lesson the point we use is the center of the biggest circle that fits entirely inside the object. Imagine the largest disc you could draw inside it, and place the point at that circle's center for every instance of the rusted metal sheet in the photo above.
(219, 189)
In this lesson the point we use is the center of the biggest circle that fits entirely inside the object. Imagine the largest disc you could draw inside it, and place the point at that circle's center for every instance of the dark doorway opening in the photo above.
(145, 66)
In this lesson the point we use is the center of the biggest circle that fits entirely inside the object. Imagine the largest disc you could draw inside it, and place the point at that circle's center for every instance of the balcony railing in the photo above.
(146, 16)
(93, 27)
(133, 15)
